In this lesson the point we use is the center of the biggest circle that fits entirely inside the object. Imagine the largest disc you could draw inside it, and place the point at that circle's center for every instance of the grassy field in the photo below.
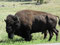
(12, 7)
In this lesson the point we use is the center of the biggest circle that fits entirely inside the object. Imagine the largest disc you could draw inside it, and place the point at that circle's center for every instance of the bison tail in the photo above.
(59, 20)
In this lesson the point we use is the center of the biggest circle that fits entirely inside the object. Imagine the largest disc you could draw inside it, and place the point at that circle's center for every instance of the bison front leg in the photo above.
(10, 35)
(28, 36)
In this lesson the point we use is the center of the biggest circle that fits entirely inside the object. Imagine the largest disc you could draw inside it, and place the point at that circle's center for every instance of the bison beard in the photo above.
(26, 22)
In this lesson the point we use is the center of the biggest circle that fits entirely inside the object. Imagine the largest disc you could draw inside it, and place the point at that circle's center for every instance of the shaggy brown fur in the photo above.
(30, 21)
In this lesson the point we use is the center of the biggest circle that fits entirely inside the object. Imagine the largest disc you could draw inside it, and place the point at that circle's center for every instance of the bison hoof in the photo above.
(44, 37)
(49, 40)
(28, 39)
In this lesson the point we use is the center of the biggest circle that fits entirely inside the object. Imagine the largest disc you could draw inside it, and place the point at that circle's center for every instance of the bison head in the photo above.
(12, 23)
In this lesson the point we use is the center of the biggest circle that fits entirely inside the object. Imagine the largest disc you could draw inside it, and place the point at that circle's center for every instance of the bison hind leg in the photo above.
(51, 35)
(45, 34)
(56, 33)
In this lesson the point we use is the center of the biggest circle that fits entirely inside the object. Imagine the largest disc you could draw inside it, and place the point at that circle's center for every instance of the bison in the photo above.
(26, 22)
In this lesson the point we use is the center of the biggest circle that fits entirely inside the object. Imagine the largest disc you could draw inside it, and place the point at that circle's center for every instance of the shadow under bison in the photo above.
(26, 22)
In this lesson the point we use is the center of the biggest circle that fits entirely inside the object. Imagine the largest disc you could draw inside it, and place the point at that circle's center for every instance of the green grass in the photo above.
(53, 8)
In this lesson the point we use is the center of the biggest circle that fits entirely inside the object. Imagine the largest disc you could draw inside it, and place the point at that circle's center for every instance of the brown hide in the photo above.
(27, 17)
